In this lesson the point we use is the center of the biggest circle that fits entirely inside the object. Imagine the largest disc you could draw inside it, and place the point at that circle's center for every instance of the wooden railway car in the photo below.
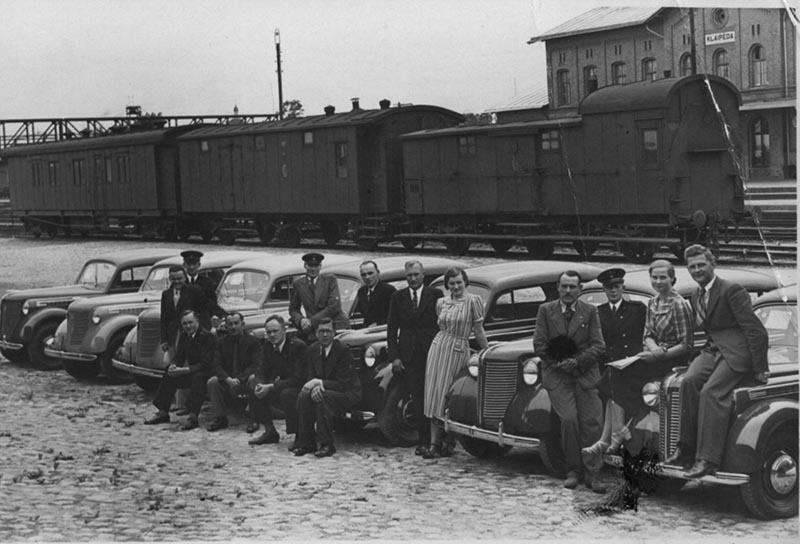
(322, 172)
(646, 164)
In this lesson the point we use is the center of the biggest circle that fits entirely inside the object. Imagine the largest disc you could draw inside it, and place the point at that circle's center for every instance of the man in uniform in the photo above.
(736, 349)
(212, 313)
(193, 364)
(239, 356)
(372, 299)
(570, 343)
(278, 379)
(411, 326)
(315, 296)
(622, 320)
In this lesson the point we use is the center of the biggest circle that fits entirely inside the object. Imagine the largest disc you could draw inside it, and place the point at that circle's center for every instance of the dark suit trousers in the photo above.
(196, 383)
(220, 393)
(414, 382)
(286, 400)
(581, 415)
(321, 413)
(706, 403)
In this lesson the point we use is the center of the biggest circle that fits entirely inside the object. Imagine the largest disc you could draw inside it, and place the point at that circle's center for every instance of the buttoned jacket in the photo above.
(318, 301)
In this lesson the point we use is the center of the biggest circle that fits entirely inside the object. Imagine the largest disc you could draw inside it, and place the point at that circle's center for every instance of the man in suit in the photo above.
(569, 341)
(411, 326)
(622, 321)
(736, 349)
(239, 356)
(174, 303)
(315, 296)
(277, 381)
(372, 299)
(211, 314)
(332, 386)
(193, 364)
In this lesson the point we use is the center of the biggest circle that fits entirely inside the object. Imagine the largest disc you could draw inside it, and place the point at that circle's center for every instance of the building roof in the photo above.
(599, 19)
(533, 98)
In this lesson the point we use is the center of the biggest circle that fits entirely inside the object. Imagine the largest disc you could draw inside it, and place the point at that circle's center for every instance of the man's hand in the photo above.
(761, 377)
(305, 324)
(397, 366)
(567, 365)
(233, 384)
(174, 371)
(646, 356)
(262, 389)
(316, 393)
(311, 384)
(215, 322)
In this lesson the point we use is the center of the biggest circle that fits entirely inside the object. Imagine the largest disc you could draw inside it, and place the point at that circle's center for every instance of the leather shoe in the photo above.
(592, 482)
(678, 458)
(217, 424)
(189, 424)
(157, 419)
(252, 427)
(573, 479)
(266, 438)
(420, 450)
(701, 468)
(325, 451)
(432, 452)
(300, 451)
(293, 446)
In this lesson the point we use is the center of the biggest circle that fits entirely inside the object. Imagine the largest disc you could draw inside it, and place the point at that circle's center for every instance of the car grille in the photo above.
(10, 316)
(669, 413)
(147, 342)
(77, 326)
(500, 379)
(357, 351)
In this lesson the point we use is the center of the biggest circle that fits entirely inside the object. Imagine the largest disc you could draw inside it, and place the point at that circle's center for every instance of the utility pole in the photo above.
(693, 47)
(280, 82)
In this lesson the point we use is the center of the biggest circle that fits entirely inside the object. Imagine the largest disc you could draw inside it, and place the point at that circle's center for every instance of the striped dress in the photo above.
(449, 351)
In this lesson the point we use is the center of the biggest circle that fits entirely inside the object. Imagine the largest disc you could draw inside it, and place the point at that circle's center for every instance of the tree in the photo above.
(292, 109)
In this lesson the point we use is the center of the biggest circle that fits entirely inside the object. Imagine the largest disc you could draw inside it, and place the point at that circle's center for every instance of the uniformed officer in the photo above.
(212, 313)
(622, 320)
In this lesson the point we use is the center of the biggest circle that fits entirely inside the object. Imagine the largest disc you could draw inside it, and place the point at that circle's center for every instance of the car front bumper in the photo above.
(498, 437)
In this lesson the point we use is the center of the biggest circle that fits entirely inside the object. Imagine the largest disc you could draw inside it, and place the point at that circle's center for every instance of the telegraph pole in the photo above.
(280, 82)
(692, 49)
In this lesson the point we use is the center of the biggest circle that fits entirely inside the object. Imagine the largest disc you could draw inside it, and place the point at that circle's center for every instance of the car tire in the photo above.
(482, 449)
(36, 355)
(82, 370)
(395, 420)
(15, 356)
(552, 455)
(147, 383)
(114, 375)
(767, 495)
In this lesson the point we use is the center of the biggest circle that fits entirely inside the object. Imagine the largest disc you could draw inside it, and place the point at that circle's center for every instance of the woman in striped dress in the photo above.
(459, 314)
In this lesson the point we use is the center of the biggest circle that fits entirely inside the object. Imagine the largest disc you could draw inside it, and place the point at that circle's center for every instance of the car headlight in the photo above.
(96, 318)
(472, 365)
(26, 307)
(530, 370)
(370, 354)
(650, 393)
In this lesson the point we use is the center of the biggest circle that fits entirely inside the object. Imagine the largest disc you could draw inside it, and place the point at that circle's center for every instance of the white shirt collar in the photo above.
(710, 284)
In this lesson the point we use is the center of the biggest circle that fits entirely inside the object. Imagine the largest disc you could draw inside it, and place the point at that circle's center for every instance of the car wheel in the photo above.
(501, 246)
(585, 248)
(482, 449)
(113, 374)
(36, 354)
(82, 370)
(409, 243)
(331, 233)
(552, 455)
(540, 249)
(396, 420)
(348, 425)
(15, 356)
(771, 492)
(146, 383)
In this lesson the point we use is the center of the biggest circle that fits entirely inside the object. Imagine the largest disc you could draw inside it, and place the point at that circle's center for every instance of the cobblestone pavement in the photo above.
(77, 464)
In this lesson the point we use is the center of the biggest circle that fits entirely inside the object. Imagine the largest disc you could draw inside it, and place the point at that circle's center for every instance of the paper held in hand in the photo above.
(623, 363)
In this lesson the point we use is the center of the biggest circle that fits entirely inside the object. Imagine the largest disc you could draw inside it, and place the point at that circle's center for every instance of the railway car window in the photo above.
(549, 140)
(124, 169)
(38, 176)
(52, 173)
(563, 83)
(721, 63)
(98, 170)
(758, 66)
(341, 160)
(589, 79)
(649, 147)
(618, 73)
(204, 146)
(78, 173)
(261, 145)
(760, 142)
(96, 275)
(109, 171)
(649, 68)
(467, 147)
(308, 138)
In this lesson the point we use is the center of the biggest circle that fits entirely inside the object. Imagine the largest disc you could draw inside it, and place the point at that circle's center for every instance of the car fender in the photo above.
(36, 320)
(107, 329)
(751, 428)
(376, 383)
(462, 399)
(529, 412)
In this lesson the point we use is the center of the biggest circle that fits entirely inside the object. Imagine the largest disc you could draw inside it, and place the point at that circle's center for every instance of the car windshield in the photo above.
(157, 279)
(781, 324)
(348, 290)
(243, 290)
(480, 290)
(96, 275)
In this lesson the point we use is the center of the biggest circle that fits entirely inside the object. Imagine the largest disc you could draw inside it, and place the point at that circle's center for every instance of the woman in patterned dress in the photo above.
(459, 314)
(668, 338)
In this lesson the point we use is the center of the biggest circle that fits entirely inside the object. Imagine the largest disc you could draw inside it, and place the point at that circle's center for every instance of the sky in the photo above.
(71, 58)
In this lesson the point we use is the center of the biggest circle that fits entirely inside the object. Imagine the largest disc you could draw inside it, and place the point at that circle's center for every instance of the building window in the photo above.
(618, 73)
(719, 17)
(38, 176)
(78, 178)
(341, 160)
(649, 147)
(550, 141)
(590, 53)
(758, 67)
(686, 64)
(648, 45)
(589, 79)
(618, 49)
(52, 173)
(760, 142)
(467, 146)
(563, 86)
(562, 57)
(755, 30)
(649, 69)
(721, 63)
(308, 138)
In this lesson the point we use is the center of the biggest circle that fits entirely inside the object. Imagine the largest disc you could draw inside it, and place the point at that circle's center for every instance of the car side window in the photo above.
(130, 279)
(518, 304)
(281, 290)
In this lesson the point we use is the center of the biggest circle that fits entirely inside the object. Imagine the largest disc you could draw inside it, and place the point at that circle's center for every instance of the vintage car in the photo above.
(257, 288)
(511, 293)
(94, 328)
(498, 402)
(29, 317)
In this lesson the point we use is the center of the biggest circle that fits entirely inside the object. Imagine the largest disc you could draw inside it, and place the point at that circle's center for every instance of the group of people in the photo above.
(596, 356)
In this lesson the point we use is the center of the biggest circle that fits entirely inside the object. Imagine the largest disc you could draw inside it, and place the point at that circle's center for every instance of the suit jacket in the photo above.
(623, 332)
(375, 310)
(198, 353)
(322, 301)
(245, 363)
(209, 289)
(285, 368)
(337, 370)
(191, 299)
(733, 328)
(416, 327)
(584, 329)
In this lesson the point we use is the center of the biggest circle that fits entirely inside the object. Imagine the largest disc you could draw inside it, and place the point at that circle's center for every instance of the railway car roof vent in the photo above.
(330, 110)
(385, 103)
(356, 107)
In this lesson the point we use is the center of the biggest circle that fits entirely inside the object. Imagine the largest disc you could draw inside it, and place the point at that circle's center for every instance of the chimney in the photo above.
(329, 110)
(355, 103)
(385, 103)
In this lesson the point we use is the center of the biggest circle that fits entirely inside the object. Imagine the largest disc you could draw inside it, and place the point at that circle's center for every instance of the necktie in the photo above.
(701, 310)
(614, 308)
(235, 365)
(176, 296)
(369, 295)
(568, 313)
(414, 300)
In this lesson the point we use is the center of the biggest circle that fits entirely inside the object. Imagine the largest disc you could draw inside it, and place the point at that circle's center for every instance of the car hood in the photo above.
(509, 351)
(49, 292)
(121, 299)
(361, 337)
